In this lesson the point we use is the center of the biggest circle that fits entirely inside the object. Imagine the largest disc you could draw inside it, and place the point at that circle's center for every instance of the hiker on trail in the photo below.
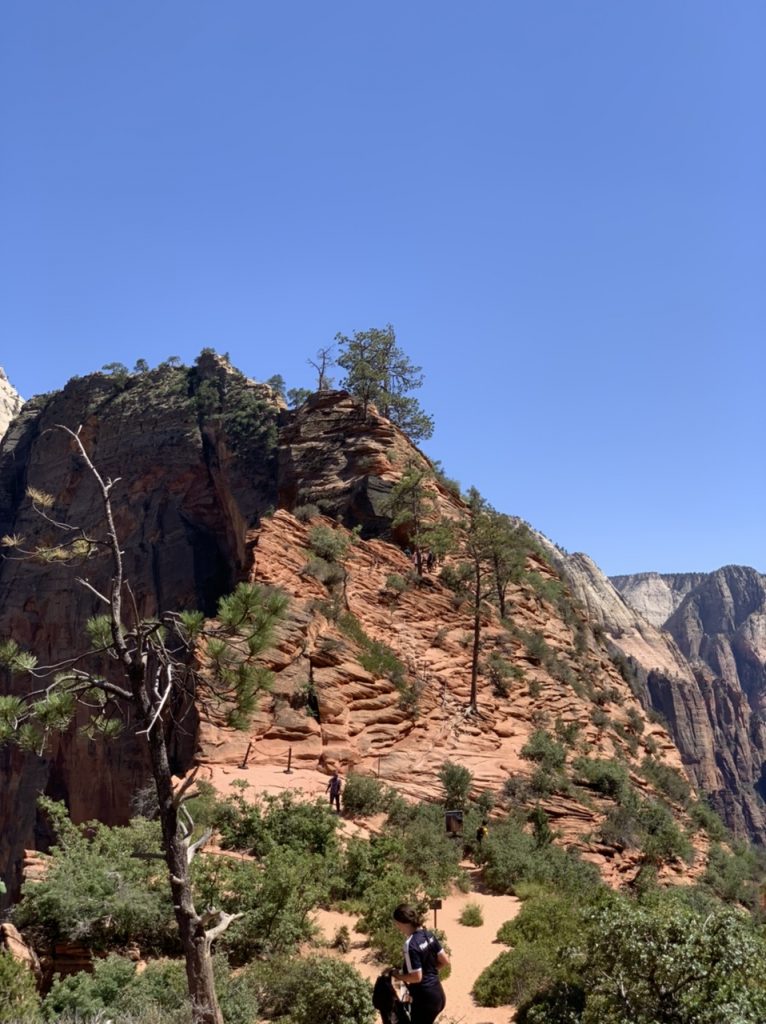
(423, 959)
(481, 833)
(334, 788)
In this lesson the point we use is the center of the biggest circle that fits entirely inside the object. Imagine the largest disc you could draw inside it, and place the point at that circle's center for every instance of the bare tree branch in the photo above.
(194, 848)
(180, 794)
(89, 586)
(226, 919)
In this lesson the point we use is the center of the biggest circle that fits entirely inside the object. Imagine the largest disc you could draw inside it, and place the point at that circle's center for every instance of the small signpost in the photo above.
(435, 905)
(289, 770)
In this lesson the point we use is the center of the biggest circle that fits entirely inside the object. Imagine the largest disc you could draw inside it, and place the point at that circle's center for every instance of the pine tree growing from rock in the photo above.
(378, 371)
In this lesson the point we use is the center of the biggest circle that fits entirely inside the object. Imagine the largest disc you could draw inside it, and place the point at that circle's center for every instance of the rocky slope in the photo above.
(211, 471)
(718, 623)
(10, 402)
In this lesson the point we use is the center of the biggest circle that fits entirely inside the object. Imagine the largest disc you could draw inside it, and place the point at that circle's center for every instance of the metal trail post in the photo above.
(289, 770)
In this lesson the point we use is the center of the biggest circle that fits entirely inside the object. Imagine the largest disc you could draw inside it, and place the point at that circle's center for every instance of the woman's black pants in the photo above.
(427, 1005)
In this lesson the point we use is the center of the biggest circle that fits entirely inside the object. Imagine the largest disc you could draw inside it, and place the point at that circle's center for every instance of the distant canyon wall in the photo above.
(10, 402)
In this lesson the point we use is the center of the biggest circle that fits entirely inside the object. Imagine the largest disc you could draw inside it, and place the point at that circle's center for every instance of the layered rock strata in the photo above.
(718, 623)
(204, 457)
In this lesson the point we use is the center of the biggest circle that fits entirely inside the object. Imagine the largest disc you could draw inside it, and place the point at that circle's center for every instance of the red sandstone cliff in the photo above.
(204, 458)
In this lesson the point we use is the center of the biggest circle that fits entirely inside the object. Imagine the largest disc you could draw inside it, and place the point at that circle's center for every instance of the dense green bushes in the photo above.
(19, 1003)
(262, 825)
(102, 888)
(294, 991)
(314, 989)
(362, 795)
(614, 960)
(114, 989)
(610, 778)
(512, 857)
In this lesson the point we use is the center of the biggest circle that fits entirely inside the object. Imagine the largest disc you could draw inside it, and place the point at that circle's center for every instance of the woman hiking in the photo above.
(423, 959)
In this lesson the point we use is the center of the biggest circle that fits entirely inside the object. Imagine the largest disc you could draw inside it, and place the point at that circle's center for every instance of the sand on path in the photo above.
(471, 950)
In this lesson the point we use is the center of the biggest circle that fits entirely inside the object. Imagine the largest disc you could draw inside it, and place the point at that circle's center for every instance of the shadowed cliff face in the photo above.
(718, 623)
(189, 491)
(202, 457)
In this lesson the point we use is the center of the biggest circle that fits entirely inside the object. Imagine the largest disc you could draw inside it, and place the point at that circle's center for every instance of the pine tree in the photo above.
(378, 371)
(412, 505)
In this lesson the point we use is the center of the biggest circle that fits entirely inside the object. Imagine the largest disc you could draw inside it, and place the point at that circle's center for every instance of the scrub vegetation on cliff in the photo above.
(417, 619)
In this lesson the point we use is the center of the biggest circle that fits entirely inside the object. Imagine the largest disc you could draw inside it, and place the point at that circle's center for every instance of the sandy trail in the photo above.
(471, 949)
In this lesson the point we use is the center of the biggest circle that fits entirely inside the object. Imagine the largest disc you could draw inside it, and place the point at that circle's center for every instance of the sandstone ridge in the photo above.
(212, 470)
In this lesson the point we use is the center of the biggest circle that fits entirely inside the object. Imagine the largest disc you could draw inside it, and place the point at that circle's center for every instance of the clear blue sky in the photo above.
(560, 206)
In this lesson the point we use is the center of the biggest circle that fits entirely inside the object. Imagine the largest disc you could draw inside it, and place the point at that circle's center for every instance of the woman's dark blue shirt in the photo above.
(420, 952)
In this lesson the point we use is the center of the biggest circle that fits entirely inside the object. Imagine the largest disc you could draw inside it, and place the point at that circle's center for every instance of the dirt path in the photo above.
(472, 949)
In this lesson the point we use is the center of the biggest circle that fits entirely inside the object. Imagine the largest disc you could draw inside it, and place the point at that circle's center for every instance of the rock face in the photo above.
(204, 458)
(656, 596)
(196, 454)
(10, 402)
(718, 623)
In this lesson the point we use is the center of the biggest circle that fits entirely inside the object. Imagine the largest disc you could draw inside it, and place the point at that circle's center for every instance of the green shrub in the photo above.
(547, 925)
(649, 826)
(382, 895)
(97, 892)
(396, 584)
(362, 795)
(544, 751)
(275, 821)
(636, 722)
(621, 828)
(610, 778)
(704, 817)
(456, 783)
(514, 977)
(605, 959)
(329, 544)
(537, 648)
(667, 780)
(317, 989)
(326, 572)
(600, 718)
(20, 1003)
(663, 961)
(305, 513)
(567, 732)
(342, 939)
(158, 994)
(85, 994)
(663, 840)
(512, 857)
(471, 916)
(735, 876)
(376, 657)
(274, 897)
(501, 673)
